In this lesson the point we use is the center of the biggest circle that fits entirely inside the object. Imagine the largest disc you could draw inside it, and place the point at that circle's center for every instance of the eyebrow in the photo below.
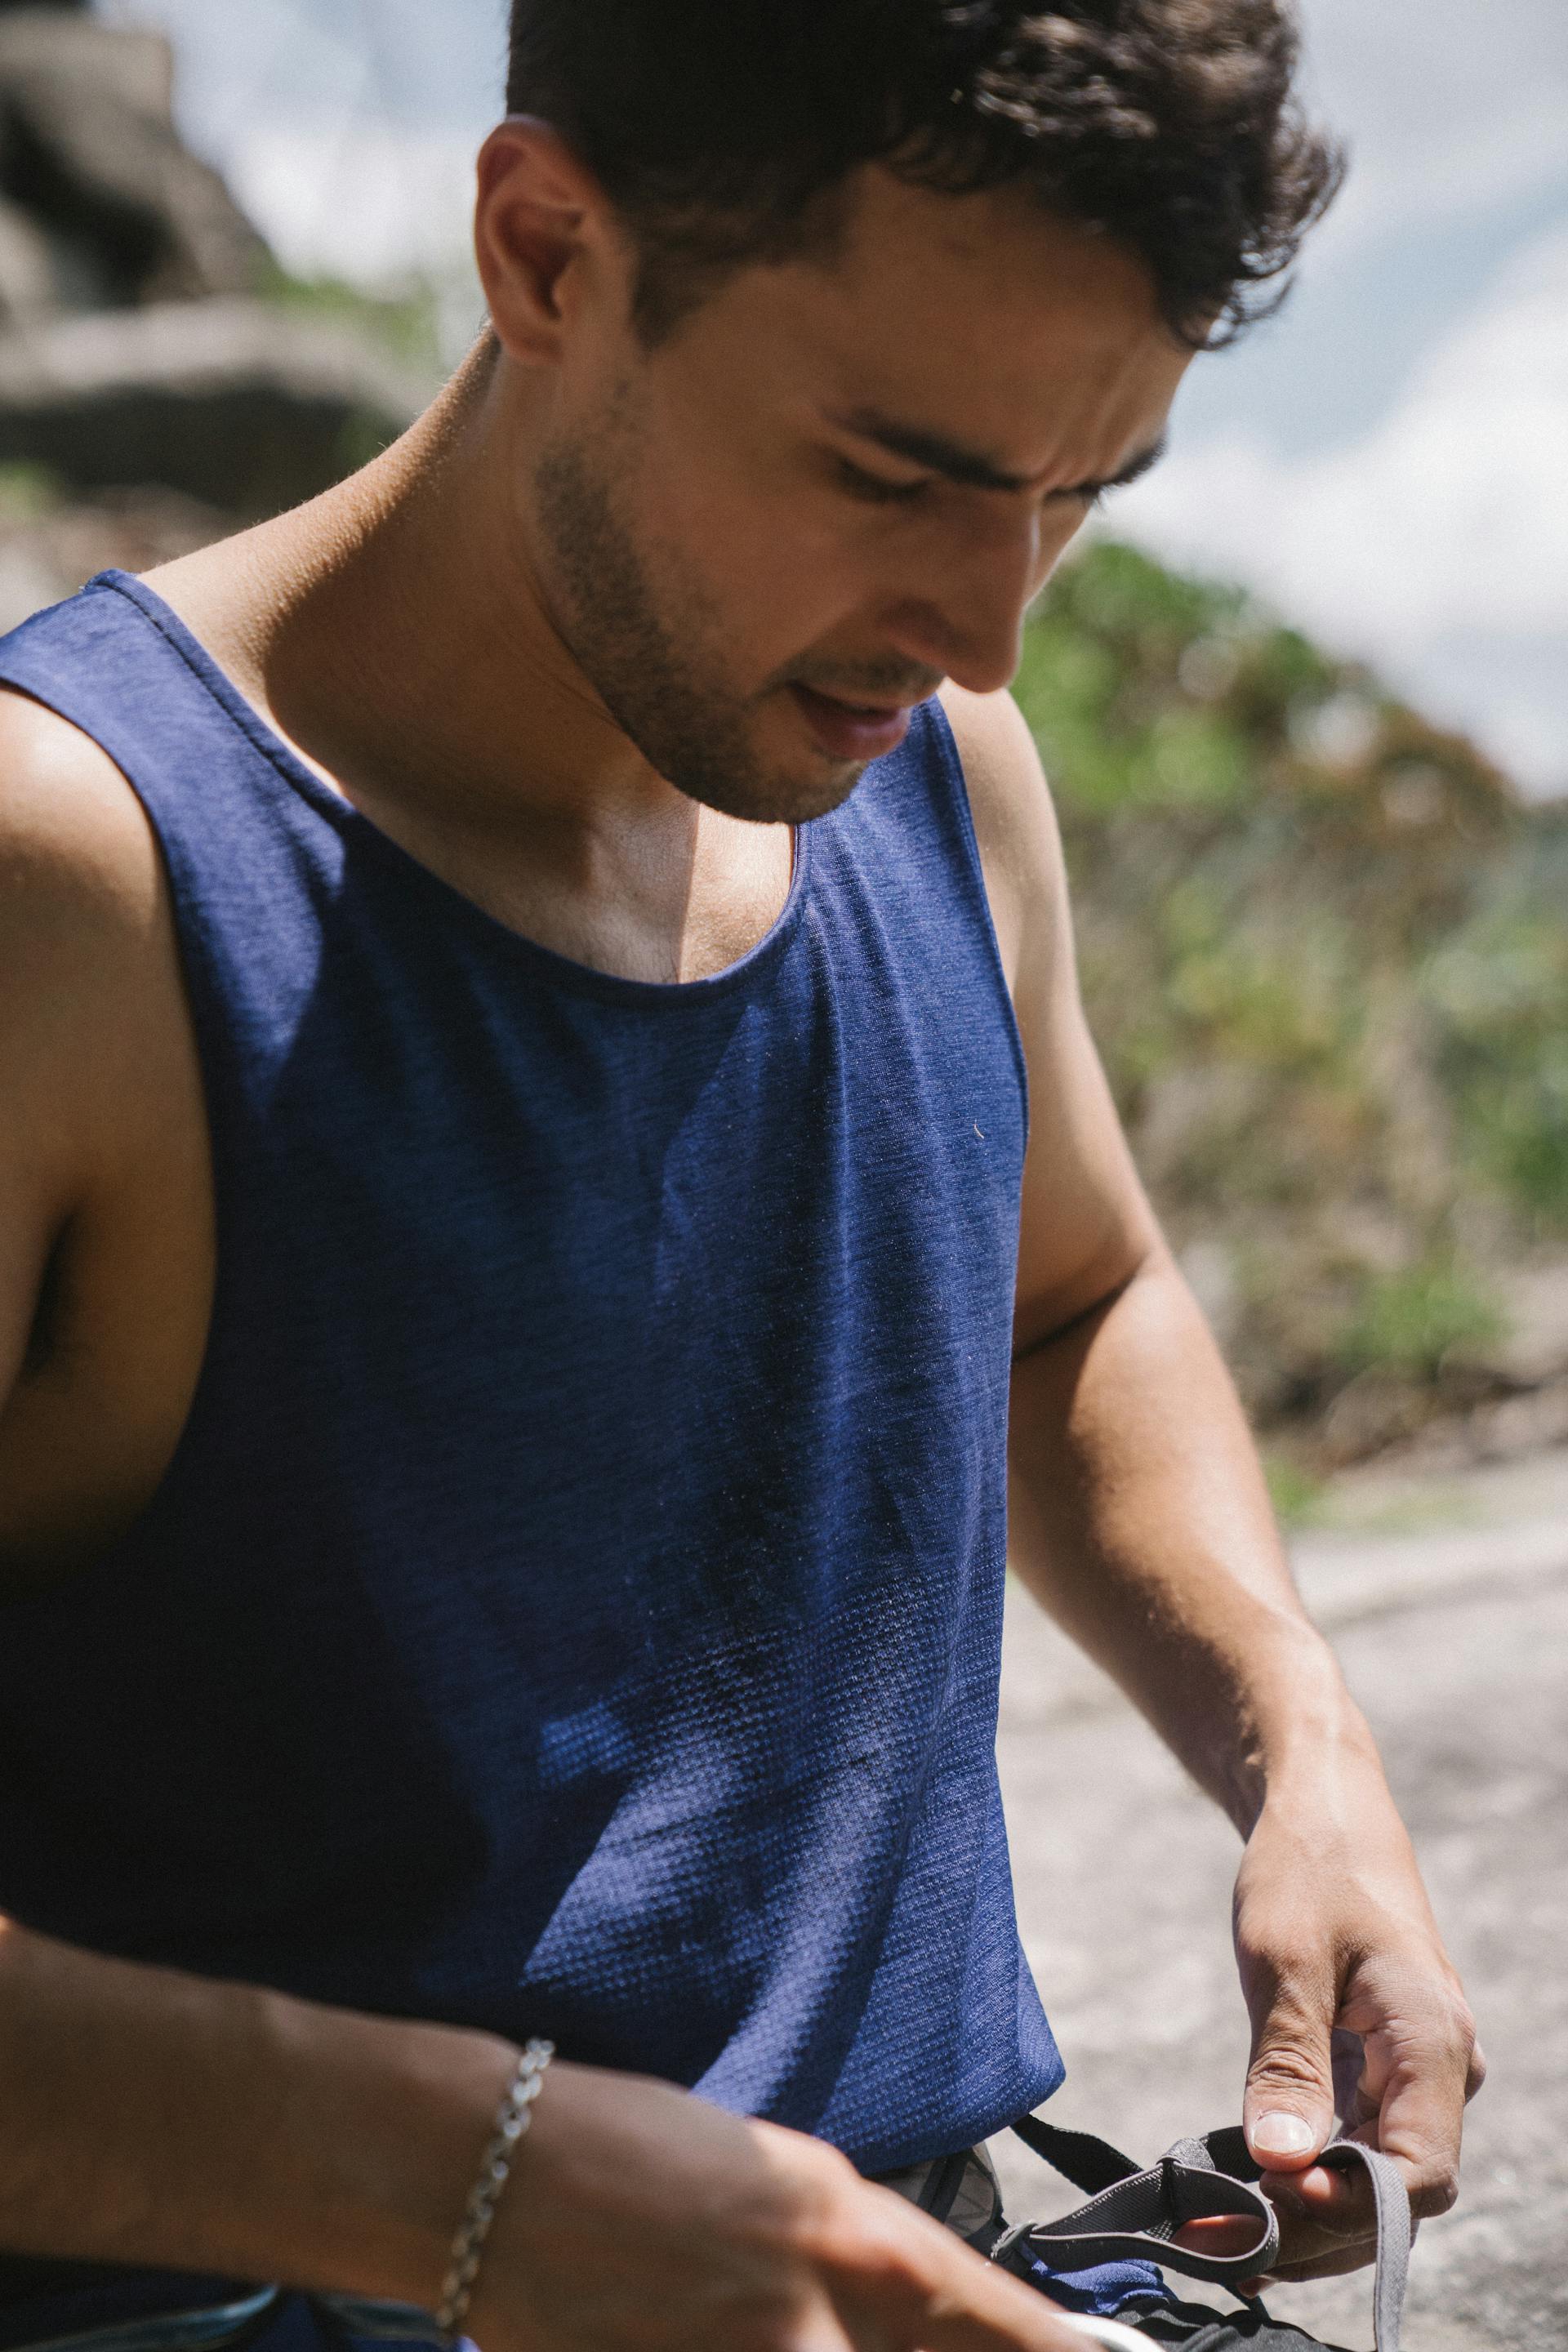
(972, 468)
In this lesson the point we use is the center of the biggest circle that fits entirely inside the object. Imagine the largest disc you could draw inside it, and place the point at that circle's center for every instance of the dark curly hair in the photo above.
(724, 131)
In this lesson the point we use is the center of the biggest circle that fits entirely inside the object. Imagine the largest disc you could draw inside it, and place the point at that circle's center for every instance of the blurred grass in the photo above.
(405, 324)
(1298, 1497)
(1324, 954)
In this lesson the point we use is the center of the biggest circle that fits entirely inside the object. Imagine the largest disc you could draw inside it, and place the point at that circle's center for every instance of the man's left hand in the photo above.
(1357, 2014)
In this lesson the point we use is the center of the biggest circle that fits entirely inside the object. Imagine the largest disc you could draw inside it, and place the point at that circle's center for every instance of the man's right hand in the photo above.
(639, 2219)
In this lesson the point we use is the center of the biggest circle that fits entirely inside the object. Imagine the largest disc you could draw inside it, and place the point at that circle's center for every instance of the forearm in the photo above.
(169, 2121)
(1141, 1521)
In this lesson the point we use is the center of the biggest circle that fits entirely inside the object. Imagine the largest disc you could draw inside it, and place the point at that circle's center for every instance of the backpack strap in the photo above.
(1134, 2216)
(1089, 2163)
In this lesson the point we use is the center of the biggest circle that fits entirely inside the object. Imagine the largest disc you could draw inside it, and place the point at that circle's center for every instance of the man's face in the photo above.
(838, 485)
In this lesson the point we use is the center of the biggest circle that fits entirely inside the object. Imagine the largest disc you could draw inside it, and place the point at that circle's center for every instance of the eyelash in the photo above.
(874, 491)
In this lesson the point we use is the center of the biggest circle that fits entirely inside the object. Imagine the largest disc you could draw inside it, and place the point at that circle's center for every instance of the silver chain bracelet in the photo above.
(511, 2122)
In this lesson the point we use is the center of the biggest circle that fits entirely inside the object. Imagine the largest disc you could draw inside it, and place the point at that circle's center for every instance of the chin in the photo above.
(772, 796)
(777, 799)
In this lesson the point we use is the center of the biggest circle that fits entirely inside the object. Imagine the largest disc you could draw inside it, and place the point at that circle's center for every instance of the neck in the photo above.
(396, 631)
(396, 634)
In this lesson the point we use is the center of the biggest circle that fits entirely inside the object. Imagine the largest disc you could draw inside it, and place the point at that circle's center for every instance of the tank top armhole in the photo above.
(950, 761)
(199, 984)
(202, 994)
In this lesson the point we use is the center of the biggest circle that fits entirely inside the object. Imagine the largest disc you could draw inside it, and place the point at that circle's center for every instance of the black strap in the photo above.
(1133, 2215)
(1089, 2163)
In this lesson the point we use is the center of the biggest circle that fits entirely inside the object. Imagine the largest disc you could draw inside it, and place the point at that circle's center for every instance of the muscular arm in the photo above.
(104, 1195)
(145, 2116)
(1141, 1521)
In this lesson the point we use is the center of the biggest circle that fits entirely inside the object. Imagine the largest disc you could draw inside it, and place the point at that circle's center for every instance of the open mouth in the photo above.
(850, 730)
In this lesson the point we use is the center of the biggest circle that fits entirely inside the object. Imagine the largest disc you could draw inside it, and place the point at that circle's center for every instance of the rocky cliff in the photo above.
(137, 343)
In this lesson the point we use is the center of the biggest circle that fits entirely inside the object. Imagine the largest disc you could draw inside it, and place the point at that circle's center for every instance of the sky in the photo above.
(1387, 463)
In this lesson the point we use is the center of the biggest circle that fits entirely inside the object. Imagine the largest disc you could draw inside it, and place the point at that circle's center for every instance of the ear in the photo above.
(539, 225)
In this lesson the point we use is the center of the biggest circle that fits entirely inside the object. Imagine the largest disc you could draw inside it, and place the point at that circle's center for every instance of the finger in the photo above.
(1422, 2113)
(1325, 2265)
(1323, 2214)
(1289, 2110)
(993, 2313)
(1220, 2234)
(1021, 2322)
(908, 2280)
(1328, 2265)
(1474, 2073)
(1349, 2063)
(1342, 2202)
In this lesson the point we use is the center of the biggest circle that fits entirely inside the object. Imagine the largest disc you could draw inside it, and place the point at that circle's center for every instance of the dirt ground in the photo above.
(1448, 1604)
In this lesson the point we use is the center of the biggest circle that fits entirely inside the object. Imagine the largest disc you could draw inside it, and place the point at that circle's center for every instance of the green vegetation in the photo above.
(1324, 953)
(404, 324)
(1297, 1495)
(27, 492)
(1415, 1322)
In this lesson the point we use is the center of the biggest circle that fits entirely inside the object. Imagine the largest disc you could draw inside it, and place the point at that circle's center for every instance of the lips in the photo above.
(849, 730)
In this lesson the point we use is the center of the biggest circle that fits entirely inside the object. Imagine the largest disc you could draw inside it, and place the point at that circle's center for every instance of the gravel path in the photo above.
(1454, 1638)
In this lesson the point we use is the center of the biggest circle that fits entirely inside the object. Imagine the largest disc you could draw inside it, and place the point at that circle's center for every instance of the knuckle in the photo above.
(1437, 2196)
(824, 2183)
(1471, 2062)
(1460, 2030)
(1288, 2066)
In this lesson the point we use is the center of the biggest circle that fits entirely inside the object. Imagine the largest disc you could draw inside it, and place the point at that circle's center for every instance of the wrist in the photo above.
(1303, 1735)
(1328, 1792)
(398, 2116)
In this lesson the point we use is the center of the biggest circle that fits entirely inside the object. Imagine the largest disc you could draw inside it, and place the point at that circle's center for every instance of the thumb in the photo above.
(1289, 2111)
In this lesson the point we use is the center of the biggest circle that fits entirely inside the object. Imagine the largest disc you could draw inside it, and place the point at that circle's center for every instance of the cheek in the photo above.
(776, 570)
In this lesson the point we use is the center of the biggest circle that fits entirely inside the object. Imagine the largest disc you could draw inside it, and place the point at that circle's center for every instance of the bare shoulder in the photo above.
(70, 824)
(85, 937)
(1015, 827)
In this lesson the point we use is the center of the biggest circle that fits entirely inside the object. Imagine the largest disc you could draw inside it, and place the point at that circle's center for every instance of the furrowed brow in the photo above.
(1134, 471)
(970, 468)
(934, 451)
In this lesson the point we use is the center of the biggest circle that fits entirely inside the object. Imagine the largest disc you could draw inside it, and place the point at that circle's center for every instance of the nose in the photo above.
(962, 608)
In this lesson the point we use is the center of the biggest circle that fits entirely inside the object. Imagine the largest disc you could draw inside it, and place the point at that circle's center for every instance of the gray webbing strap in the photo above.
(1134, 2215)
(1391, 2202)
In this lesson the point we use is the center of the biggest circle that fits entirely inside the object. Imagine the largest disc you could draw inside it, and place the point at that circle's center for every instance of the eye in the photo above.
(875, 489)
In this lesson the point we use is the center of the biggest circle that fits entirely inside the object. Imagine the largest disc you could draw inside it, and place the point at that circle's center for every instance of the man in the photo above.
(518, 1253)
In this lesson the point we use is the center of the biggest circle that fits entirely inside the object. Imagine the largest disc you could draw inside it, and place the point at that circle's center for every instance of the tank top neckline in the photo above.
(353, 824)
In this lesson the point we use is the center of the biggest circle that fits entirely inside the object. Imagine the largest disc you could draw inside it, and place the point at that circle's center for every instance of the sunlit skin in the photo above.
(588, 641)
(780, 544)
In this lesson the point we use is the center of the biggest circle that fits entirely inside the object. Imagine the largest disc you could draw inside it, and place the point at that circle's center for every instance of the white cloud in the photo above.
(369, 201)
(1437, 545)
(1449, 105)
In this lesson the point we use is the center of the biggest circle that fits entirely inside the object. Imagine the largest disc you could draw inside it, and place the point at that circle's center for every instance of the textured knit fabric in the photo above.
(575, 1605)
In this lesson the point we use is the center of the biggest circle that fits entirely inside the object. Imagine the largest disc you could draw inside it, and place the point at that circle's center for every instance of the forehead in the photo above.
(984, 318)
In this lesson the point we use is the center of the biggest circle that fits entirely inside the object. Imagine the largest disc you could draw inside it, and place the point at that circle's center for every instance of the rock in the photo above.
(234, 403)
(89, 155)
(1536, 1349)
(1456, 1642)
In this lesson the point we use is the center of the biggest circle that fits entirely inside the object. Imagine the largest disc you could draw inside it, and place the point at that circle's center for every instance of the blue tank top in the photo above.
(575, 1605)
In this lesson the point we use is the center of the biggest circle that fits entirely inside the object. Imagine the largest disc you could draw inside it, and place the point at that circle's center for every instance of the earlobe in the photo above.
(533, 217)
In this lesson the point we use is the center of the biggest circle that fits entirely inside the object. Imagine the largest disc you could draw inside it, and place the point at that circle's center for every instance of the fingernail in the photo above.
(1278, 2134)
